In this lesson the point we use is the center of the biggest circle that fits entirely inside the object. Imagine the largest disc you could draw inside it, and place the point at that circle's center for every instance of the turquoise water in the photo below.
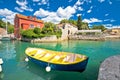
(15, 68)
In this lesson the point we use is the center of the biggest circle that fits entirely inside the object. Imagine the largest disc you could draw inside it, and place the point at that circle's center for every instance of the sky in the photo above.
(94, 12)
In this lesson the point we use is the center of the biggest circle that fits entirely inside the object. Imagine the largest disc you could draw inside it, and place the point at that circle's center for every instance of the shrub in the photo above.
(37, 30)
(29, 34)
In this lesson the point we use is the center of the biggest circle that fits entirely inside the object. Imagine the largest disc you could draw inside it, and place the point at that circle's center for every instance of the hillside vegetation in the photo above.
(10, 27)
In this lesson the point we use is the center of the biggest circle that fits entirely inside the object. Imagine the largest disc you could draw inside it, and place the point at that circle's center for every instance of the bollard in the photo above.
(0, 68)
(1, 61)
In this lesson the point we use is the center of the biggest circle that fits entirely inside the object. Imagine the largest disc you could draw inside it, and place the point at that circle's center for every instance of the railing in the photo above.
(89, 31)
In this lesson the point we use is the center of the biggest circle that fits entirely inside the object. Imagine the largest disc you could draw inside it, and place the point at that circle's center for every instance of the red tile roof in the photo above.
(28, 17)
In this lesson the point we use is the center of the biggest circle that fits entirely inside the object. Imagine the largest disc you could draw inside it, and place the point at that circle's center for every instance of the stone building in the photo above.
(115, 31)
(67, 29)
(2, 31)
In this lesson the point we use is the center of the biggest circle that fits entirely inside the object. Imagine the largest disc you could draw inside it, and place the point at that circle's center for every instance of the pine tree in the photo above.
(79, 22)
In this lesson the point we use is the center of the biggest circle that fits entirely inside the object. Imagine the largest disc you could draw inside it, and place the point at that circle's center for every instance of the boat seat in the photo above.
(80, 56)
(70, 58)
(67, 58)
(39, 54)
(57, 59)
(47, 57)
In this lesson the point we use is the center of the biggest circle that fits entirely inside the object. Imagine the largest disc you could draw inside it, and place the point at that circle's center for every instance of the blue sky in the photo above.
(95, 12)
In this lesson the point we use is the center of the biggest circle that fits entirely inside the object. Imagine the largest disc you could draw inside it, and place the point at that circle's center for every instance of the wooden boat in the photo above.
(63, 61)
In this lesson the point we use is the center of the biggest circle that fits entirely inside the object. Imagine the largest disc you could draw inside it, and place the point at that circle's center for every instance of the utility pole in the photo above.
(6, 25)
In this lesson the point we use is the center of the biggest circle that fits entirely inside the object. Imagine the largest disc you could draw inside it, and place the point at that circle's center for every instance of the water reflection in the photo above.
(15, 68)
(7, 50)
(59, 46)
(54, 74)
(1, 75)
(37, 70)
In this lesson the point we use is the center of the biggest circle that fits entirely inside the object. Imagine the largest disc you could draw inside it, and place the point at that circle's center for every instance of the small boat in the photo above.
(63, 61)
(5, 39)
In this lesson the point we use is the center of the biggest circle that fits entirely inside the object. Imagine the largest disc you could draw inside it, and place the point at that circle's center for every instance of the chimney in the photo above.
(34, 17)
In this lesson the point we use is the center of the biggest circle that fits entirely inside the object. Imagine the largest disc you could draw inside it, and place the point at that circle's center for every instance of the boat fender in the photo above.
(1, 61)
(48, 68)
(26, 59)
(0, 68)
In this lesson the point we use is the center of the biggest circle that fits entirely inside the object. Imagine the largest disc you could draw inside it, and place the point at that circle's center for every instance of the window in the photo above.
(31, 26)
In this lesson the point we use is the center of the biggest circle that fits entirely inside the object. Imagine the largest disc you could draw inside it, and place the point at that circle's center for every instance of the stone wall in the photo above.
(85, 37)
(51, 38)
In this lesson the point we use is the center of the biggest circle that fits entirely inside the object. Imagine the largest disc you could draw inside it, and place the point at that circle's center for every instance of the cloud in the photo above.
(110, 20)
(42, 13)
(106, 14)
(90, 10)
(60, 13)
(7, 15)
(43, 2)
(92, 20)
(109, 2)
(5, 12)
(78, 3)
(87, 1)
(116, 26)
(23, 6)
(101, 1)
(80, 8)
(79, 14)
(67, 12)
(110, 26)
(107, 20)
(57, 16)
(70, 1)
(36, 0)
(19, 9)
(21, 3)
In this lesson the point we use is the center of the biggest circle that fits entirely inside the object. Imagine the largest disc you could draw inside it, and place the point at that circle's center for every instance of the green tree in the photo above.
(10, 27)
(2, 24)
(37, 30)
(48, 28)
(64, 21)
(79, 23)
(84, 26)
(74, 22)
(29, 34)
(99, 27)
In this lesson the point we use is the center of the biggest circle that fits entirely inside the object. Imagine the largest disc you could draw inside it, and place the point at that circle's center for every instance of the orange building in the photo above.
(25, 22)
